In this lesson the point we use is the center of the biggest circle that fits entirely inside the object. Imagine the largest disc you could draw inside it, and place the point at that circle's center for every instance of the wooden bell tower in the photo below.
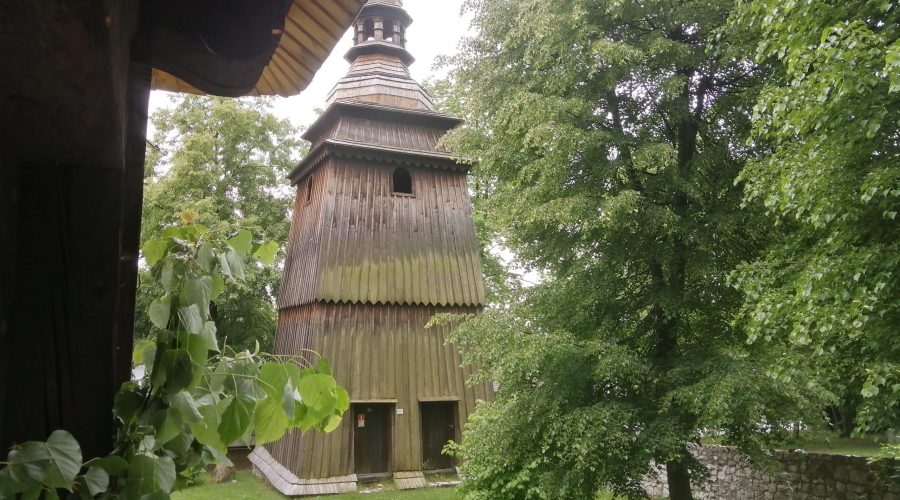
(382, 238)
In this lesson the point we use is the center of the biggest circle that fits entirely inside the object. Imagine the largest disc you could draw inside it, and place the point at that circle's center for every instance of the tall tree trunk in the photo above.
(679, 479)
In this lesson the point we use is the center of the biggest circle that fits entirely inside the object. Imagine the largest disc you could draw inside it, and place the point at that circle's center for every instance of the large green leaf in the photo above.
(181, 445)
(269, 420)
(317, 393)
(65, 460)
(206, 257)
(179, 370)
(196, 346)
(191, 319)
(28, 465)
(159, 313)
(323, 366)
(97, 480)
(235, 264)
(112, 464)
(206, 430)
(267, 253)
(167, 424)
(236, 419)
(289, 399)
(218, 377)
(210, 341)
(197, 291)
(333, 423)
(186, 407)
(218, 286)
(155, 250)
(242, 243)
(224, 267)
(247, 383)
(168, 278)
(342, 400)
(160, 369)
(148, 474)
(8, 485)
(128, 403)
(274, 377)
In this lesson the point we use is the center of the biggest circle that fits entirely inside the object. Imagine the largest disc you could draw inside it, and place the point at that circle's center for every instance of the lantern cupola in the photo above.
(381, 27)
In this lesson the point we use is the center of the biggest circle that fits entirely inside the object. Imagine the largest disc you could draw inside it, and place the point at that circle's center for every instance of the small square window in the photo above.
(401, 182)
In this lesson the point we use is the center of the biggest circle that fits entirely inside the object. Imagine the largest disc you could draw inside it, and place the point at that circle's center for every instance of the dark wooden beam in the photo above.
(73, 108)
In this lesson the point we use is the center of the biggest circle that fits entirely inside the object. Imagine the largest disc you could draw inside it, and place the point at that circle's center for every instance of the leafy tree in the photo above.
(609, 135)
(228, 160)
(831, 287)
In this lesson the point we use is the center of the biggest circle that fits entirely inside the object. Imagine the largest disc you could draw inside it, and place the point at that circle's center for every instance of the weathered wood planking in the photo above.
(379, 353)
(355, 241)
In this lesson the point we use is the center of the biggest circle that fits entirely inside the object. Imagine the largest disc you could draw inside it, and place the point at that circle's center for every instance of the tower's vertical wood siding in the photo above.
(379, 353)
(357, 242)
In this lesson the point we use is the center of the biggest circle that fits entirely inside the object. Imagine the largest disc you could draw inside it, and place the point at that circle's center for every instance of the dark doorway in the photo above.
(438, 427)
(372, 438)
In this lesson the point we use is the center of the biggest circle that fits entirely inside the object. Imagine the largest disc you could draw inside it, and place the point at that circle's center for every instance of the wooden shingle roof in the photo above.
(311, 30)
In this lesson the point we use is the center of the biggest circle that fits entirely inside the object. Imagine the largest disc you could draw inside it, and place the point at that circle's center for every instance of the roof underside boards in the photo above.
(311, 30)
(357, 242)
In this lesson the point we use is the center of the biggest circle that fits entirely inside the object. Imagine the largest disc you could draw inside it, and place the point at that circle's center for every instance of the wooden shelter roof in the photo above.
(300, 43)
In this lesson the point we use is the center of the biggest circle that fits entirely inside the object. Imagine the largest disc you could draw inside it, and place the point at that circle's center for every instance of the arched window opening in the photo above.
(402, 182)
(309, 188)
(369, 29)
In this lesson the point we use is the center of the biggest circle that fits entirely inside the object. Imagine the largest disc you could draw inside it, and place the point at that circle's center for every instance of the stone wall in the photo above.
(791, 475)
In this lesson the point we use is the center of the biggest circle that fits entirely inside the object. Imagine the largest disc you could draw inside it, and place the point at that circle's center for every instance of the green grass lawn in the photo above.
(827, 443)
(861, 447)
(247, 486)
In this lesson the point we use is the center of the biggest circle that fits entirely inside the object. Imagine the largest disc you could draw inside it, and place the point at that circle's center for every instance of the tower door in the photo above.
(372, 438)
(438, 427)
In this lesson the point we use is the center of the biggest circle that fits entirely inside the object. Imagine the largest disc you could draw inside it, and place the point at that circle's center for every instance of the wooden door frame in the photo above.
(391, 406)
(457, 432)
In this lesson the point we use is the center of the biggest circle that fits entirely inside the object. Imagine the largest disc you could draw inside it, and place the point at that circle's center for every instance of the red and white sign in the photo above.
(361, 420)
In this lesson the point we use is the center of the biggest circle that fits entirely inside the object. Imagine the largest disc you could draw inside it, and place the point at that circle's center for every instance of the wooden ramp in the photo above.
(290, 485)
(410, 480)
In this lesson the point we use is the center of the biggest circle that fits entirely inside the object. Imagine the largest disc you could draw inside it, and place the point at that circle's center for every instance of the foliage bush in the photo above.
(197, 396)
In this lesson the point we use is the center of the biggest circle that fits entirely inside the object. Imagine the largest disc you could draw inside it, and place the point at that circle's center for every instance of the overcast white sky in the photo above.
(436, 30)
